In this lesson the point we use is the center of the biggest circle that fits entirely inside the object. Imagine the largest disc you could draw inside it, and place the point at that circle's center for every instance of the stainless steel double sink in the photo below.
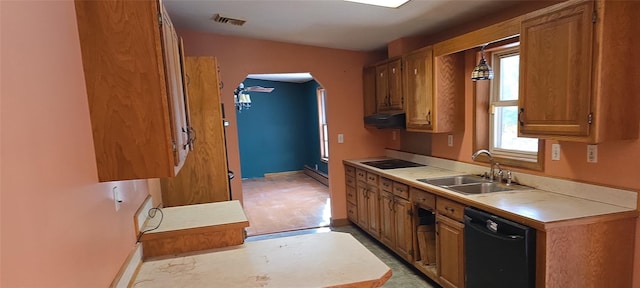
(471, 184)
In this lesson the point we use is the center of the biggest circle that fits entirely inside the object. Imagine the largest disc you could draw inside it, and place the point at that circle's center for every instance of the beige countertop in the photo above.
(199, 216)
(330, 259)
(534, 207)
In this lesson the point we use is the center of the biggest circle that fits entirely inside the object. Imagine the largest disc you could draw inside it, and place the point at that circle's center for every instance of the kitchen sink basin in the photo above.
(454, 180)
(471, 184)
(480, 188)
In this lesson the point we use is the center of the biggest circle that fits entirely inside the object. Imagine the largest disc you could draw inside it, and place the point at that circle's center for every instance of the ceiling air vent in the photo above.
(228, 20)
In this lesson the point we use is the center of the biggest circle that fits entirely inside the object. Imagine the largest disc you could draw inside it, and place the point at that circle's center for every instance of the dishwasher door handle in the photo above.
(487, 232)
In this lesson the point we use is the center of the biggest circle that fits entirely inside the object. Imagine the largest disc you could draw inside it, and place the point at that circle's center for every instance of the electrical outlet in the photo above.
(117, 200)
(592, 153)
(340, 138)
(450, 140)
(555, 152)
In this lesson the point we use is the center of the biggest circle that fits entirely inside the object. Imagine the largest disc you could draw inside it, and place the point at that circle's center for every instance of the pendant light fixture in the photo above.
(483, 71)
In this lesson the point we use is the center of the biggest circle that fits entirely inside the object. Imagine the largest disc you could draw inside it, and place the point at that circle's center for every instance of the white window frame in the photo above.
(322, 124)
(496, 102)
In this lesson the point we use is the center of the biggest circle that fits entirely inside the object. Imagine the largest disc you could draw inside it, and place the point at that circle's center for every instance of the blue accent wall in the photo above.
(279, 132)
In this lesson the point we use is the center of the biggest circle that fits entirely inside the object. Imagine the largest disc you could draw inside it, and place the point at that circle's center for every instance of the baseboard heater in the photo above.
(317, 174)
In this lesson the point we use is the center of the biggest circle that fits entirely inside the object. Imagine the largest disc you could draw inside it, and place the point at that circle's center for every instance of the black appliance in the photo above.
(498, 252)
(386, 120)
(391, 164)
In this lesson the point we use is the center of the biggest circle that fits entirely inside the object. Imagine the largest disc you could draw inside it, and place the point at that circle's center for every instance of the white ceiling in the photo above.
(283, 77)
(329, 23)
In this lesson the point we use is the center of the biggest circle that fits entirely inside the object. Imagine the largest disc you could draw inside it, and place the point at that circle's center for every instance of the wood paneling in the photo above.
(503, 30)
(369, 90)
(204, 177)
(192, 242)
(591, 255)
(448, 96)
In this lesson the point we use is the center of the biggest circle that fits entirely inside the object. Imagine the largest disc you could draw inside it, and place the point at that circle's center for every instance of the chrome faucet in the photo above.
(492, 164)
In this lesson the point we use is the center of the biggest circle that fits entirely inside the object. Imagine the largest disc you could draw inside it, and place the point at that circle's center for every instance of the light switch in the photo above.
(450, 140)
(340, 138)
(555, 152)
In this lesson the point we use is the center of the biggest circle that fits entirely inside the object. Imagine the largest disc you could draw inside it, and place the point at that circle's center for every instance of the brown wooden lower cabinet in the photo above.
(450, 245)
(587, 252)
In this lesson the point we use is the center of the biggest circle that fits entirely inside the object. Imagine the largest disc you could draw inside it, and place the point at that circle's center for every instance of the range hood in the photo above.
(394, 120)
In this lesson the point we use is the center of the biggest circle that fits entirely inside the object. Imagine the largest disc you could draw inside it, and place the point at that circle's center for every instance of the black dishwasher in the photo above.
(498, 252)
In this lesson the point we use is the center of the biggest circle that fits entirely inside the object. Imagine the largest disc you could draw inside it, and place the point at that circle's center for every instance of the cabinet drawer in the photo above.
(351, 181)
(450, 209)
(351, 194)
(401, 190)
(372, 179)
(361, 175)
(386, 184)
(423, 198)
(350, 171)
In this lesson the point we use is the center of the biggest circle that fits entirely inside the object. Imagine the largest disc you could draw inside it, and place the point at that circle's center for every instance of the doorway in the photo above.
(280, 128)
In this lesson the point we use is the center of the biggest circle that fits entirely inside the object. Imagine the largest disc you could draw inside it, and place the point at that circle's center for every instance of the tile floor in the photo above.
(285, 203)
(298, 204)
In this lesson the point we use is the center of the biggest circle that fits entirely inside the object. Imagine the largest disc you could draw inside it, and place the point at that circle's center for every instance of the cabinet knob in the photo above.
(520, 114)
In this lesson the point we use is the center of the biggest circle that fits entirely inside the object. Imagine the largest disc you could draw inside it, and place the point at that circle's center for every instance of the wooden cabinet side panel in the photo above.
(125, 80)
(590, 255)
(449, 84)
(557, 101)
(616, 29)
(203, 177)
(369, 90)
(192, 242)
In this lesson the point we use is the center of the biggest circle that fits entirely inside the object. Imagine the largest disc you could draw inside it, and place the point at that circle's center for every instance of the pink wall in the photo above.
(59, 226)
(338, 71)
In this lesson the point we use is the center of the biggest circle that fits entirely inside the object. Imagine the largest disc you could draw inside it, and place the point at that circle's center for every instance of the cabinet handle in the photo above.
(520, 114)
(390, 204)
(449, 209)
(429, 117)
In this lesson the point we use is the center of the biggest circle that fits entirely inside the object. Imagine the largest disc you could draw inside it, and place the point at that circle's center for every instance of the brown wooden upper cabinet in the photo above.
(432, 91)
(576, 71)
(389, 86)
(134, 79)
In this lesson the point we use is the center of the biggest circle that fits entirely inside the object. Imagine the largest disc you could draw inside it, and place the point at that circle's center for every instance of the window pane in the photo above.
(506, 131)
(509, 73)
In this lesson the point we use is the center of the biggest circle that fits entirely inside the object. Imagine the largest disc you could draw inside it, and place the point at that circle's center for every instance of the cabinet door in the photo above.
(204, 177)
(387, 219)
(396, 98)
(450, 252)
(404, 228)
(418, 75)
(369, 90)
(175, 89)
(373, 208)
(134, 88)
(555, 72)
(382, 87)
(363, 210)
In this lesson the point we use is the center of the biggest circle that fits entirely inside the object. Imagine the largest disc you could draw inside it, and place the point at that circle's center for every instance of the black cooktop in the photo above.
(392, 164)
